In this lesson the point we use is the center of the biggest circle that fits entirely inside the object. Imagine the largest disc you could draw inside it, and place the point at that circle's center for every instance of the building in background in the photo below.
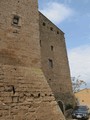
(83, 97)
(55, 61)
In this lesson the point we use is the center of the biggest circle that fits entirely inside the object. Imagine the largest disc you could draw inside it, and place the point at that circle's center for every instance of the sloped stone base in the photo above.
(26, 95)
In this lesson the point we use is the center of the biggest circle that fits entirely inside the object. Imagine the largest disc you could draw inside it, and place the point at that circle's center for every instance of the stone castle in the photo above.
(34, 70)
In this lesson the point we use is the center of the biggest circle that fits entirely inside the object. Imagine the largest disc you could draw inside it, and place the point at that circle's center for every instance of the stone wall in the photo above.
(19, 42)
(24, 91)
(25, 95)
(54, 60)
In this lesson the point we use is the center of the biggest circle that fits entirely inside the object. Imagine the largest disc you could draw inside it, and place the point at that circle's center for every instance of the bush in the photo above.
(68, 106)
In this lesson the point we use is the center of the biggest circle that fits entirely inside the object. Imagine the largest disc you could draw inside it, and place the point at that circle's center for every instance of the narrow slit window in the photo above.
(50, 63)
(51, 48)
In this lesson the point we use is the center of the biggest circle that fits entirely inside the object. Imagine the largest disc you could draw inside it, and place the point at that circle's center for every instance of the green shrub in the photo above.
(68, 106)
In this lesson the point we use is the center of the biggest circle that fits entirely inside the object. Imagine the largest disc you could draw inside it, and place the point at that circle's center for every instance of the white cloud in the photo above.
(79, 60)
(56, 12)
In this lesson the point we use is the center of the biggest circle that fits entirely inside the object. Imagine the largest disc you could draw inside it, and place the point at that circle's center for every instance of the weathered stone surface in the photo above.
(32, 99)
(53, 48)
(24, 91)
(20, 48)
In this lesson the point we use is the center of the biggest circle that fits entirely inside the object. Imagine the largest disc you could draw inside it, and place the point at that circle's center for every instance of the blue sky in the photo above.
(73, 18)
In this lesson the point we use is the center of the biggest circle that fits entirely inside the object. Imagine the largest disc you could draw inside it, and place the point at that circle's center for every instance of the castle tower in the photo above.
(24, 91)
(19, 33)
(55, 61)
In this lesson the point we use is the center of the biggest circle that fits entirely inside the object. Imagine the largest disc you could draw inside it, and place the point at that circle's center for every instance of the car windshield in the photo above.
(82, 108)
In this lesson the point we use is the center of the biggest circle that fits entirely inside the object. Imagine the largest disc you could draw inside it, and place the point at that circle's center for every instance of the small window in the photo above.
(51, 28)
(44, 23)
(57, 32)
(51, 48)
(50, 63)
(16, 20)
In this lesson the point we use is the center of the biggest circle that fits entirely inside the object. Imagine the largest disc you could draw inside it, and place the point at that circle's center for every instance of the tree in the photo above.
(77, 83)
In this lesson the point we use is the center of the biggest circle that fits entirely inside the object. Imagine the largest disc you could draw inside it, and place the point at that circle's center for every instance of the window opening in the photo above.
(16, 20)
(44, 23)
(57, 32)
(51, 28)
(50, 63)
(51, 48)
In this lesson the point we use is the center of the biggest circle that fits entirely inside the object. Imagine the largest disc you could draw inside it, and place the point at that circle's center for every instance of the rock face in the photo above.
(24, 91)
